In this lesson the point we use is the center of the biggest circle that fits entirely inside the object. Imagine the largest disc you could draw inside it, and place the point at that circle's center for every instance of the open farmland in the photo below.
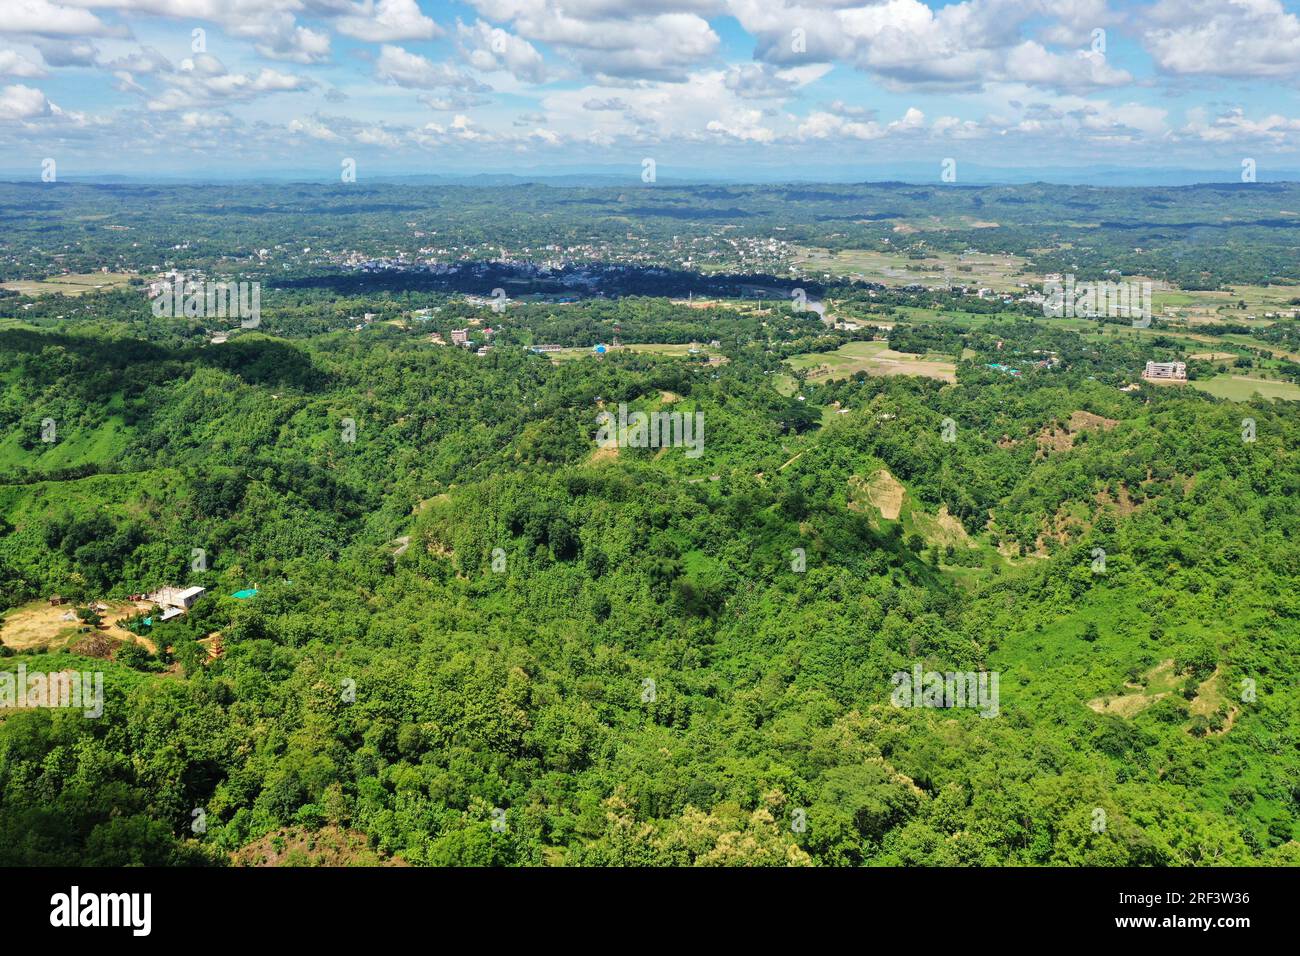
(875, 358)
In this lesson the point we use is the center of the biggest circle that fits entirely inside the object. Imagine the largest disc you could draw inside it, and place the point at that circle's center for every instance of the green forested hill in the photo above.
(590, 658)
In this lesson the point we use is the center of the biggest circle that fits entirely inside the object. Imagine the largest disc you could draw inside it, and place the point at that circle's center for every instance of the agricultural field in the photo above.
(875, 358)
(71, 284)
(1237, 303)
(1001, 273)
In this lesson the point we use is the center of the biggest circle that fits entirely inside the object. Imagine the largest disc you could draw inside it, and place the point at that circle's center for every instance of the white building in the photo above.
(1172, 370)
(179, 598)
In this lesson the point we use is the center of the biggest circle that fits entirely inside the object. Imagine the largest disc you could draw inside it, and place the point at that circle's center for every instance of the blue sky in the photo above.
(254, 87)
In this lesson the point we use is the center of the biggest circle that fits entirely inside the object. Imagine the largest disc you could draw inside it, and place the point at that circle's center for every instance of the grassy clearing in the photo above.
(72, 447)
(785, 384)
(1239, 388)
(1156, 683)
(875, 358)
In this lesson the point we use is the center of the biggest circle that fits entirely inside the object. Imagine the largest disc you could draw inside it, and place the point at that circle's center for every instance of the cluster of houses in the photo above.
(461, 337)
(173, 601)
(1005, 369)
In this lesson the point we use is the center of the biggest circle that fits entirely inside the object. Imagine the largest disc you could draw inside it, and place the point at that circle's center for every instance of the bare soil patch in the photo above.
(1054, 438)
(882, 491)
(38, 625)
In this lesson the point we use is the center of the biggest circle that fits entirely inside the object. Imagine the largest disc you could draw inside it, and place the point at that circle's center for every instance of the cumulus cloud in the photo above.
(1233, 126)
(20, 102)
(13, 63)
(1030, 62)
(144, 60)
(314, 128)
(490, 48)
(404, 68)
(46, 19)
(744, 125)
(821, 125)
(622, 39)
(296, 44)
(1214, 37)
(760, 81)
(1021, 73)
(908, 45)
(383, 21)
(203, 80)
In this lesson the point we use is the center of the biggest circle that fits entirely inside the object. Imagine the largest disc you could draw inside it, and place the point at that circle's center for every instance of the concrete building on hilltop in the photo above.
(179, 598)
(1176, 371)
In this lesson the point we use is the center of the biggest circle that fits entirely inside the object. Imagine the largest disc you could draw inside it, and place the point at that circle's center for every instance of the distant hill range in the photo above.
(912, 173)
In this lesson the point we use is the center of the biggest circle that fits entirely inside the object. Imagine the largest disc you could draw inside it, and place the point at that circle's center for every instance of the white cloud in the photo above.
(43, 18)
(744, 125)
(297, 45)
(144, 60)
(314, 128)
(399, 66)
(911, 46)
(823, 125)
(1223, 37)
(1234, 126)
(1019, 74)
(655, 39)
(1030, 62)
(762, 81)
(383, 21)
(20, 102)
(490, 48)
(377, 136)
(206, 120)
(203, 80)
(13, 63)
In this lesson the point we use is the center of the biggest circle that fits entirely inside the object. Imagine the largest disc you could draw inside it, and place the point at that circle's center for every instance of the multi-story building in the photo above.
(1173, 370)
